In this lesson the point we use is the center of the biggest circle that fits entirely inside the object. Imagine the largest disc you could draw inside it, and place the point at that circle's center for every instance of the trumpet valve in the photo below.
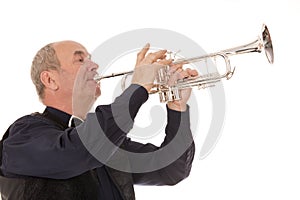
(171, 94)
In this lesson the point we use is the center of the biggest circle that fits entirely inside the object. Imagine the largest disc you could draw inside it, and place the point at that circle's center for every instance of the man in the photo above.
(44, 156)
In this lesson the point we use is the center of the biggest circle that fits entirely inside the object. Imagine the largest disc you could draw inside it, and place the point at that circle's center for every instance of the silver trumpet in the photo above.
(171, 93)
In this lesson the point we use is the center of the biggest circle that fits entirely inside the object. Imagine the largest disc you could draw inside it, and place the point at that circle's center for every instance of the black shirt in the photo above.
(41, 148)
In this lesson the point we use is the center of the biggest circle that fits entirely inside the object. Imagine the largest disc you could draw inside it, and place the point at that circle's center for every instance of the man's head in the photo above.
(54, 70)
(44, 60)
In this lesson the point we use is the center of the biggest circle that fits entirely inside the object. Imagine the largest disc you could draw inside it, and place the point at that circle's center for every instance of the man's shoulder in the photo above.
(35, 117)
(31, 120)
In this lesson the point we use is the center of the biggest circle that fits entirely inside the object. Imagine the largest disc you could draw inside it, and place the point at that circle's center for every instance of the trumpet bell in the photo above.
(267, 43)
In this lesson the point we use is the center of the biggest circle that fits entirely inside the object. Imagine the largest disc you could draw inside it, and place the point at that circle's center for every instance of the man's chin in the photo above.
(97, 92)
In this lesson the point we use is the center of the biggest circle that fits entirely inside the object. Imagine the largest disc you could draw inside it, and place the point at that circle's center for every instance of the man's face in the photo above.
(72, 55)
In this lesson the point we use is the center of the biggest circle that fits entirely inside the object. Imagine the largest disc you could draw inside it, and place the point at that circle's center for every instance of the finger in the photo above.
(176, 75)
(183, 74)
(165, 61)
(175, 68)
(142, 53)
(153, 57)
(192, 72)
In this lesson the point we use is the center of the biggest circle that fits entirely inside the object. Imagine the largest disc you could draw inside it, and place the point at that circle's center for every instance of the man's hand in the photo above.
(177, 74)
(85, 90)
(147, 66)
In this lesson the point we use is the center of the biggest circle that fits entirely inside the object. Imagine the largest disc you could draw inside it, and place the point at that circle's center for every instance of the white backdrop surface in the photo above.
(257, 156)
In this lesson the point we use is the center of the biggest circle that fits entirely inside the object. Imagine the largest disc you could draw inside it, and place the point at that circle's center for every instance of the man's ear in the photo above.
(50, 80)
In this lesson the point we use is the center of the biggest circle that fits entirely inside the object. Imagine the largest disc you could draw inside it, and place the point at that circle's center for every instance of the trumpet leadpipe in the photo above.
(98, 77)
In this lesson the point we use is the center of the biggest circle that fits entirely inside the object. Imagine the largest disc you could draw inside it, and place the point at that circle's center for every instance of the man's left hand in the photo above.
(177, 74)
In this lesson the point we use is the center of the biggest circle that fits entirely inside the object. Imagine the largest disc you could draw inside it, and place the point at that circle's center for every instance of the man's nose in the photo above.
(91, 66)
(95, 66)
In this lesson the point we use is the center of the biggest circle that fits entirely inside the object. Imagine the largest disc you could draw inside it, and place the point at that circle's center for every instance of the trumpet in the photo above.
(171, 93)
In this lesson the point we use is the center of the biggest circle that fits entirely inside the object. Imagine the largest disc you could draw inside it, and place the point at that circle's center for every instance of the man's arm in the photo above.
(178, 147)
(172, 161)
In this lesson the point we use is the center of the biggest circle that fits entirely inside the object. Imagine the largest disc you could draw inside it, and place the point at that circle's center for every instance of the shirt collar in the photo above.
(59, 115)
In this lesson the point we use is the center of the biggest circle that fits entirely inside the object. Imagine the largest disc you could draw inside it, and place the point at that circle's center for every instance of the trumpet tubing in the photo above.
(171, 93)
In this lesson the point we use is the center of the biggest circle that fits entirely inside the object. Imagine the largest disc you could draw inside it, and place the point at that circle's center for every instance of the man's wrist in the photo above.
(146, 86)
(181, 107)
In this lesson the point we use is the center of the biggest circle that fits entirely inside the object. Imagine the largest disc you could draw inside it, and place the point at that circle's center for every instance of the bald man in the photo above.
(43, 155)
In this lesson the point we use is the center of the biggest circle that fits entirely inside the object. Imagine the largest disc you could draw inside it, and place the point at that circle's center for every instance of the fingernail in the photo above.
(147, 45)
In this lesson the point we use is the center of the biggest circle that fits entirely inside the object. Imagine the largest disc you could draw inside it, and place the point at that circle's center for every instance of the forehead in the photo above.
(67, 49)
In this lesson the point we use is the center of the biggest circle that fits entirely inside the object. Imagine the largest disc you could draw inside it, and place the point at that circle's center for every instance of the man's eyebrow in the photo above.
(82, 53)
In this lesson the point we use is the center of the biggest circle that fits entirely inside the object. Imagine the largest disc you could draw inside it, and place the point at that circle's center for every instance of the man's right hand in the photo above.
(147, 66)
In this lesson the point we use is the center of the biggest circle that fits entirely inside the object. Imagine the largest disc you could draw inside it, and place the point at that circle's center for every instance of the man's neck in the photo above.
(55, 101)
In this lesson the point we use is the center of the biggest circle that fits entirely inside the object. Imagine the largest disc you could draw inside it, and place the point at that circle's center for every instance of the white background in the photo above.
(257, 156)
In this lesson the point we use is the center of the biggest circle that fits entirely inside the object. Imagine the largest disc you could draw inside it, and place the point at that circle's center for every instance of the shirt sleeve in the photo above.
(37, 147)
(179, 141)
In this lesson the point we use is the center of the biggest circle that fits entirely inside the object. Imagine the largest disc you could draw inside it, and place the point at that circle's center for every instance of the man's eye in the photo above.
(81, 60)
